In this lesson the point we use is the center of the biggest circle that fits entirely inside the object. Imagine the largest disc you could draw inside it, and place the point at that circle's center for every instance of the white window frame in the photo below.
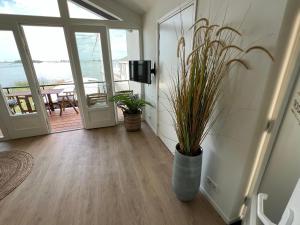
(64, 21)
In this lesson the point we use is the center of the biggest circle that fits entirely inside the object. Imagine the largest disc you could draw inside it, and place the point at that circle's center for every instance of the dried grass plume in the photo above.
(197, 86)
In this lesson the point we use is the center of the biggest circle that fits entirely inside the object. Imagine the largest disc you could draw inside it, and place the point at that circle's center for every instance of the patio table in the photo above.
(27, 94)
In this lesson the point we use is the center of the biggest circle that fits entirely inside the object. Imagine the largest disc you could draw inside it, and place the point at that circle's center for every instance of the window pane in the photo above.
(49, 53)
(77, 11)
(48, 50)
(30, 7)
(13, 79)
(124, 47)
(92, 68)
(1, 134)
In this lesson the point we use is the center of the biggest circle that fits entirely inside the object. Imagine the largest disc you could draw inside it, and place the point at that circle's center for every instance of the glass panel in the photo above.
(13, 79)
(77, 11)
(124, 47)
(92, 68)
(30, 7)
(49, 53)
(1, 134)
(48, 49)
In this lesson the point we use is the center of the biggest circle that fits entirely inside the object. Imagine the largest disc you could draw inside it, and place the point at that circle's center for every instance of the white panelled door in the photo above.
(170, 29)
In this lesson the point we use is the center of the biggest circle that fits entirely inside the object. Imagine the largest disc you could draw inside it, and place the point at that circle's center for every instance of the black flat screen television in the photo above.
(140, 71)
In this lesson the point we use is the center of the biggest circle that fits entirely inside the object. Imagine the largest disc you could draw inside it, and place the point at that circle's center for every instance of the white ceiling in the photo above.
(138, 6)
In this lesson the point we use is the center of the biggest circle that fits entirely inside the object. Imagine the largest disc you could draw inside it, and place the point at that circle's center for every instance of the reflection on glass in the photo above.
(92, 68)
(30, 7)
(124, 47)
(13, 80)
(49, 53)
(77, 11)
(48, 50)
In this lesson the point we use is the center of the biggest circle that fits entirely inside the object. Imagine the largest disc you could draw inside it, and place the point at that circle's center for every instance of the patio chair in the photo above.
(65, 100)
(25, 100)
(94, 98)
(47, 104)
(12, 103)
(125, 92)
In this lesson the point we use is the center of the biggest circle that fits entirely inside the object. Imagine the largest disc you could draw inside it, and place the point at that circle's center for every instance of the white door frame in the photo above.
(9, 119)
(15, 21)
(289, 73)
(170, 14)
(78, 78)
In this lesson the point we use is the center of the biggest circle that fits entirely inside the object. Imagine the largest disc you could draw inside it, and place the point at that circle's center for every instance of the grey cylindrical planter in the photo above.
(186, 176)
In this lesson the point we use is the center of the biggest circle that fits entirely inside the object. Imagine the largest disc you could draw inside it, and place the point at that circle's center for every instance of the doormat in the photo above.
(15, 166)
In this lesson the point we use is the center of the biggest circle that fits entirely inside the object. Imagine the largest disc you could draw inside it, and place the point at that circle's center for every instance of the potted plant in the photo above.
(132, 107)
(194, 95)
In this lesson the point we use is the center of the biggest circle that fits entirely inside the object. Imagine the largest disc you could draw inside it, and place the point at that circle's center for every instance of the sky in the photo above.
(30, 7)
(48, 43)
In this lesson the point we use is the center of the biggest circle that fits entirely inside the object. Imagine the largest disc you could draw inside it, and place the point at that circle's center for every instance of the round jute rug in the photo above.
(15, 166)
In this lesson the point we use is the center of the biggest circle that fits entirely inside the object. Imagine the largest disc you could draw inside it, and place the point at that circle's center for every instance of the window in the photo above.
(49, 54)
(82, 9)
(124, 47)
(30, 7)
(1, 134)
(13, 80)
(92, 68)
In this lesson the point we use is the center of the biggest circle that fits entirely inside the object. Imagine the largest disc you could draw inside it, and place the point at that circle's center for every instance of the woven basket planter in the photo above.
(132, 122)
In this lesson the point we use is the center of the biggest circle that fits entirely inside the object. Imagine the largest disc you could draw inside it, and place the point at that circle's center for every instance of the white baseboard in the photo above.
(217, 208)
(207, 196)
(149, 124)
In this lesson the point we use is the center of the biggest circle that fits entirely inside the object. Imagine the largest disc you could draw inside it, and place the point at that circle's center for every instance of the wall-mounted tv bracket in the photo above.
(153, 71)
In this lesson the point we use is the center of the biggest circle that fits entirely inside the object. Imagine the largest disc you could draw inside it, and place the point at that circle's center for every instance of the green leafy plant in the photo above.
(198, 84)
(129, 103)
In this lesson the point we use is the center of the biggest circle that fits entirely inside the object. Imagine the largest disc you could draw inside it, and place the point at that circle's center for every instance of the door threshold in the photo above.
(63, 131)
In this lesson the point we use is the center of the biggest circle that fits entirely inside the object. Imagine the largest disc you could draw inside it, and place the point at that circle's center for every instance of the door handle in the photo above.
(260, 209)
(285, 220)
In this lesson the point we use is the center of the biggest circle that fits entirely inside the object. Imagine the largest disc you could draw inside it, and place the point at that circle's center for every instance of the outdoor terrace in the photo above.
(63, 115)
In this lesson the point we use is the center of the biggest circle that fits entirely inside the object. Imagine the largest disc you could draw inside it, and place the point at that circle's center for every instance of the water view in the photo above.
(51, 59)
(12, 73)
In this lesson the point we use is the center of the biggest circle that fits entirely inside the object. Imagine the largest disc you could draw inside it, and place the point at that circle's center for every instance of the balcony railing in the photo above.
(9, 90)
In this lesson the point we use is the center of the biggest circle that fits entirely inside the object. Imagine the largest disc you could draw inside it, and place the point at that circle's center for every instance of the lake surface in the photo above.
(12, 74)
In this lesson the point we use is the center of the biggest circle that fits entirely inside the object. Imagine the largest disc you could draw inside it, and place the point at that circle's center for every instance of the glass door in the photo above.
(94, 75)
(20, 105)
(49, 52)
(124, 45)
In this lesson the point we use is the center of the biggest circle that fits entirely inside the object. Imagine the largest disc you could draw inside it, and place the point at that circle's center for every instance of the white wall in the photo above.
(230, 148)
(122, 11)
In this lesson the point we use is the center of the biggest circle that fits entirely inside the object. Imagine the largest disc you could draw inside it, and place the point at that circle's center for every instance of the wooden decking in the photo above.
(100, 177)
(69, 120)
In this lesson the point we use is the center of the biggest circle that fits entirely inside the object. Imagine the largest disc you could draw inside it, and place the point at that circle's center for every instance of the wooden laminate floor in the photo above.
(100, 177)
